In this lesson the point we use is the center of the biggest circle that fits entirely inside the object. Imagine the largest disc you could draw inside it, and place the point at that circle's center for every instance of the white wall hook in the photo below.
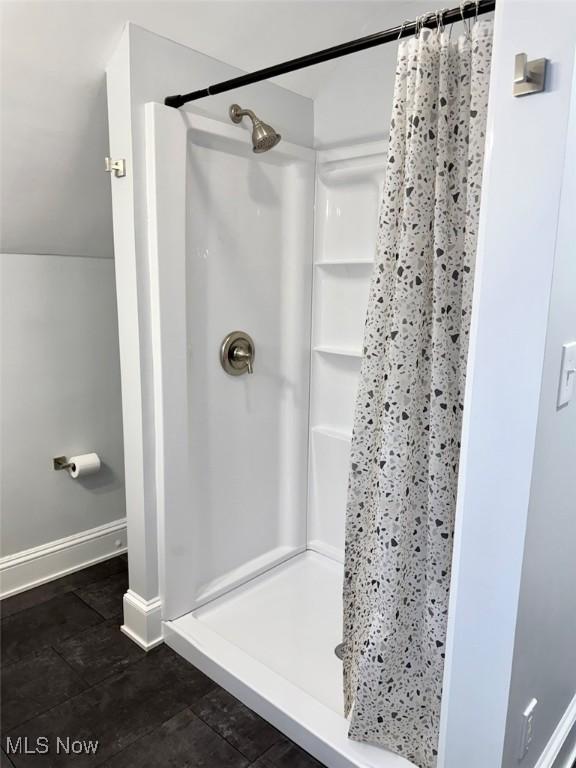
(529, 76)
(117, 167)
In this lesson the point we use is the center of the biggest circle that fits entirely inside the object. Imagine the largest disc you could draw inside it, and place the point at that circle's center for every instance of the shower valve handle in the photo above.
(243, 355)
(237, 353)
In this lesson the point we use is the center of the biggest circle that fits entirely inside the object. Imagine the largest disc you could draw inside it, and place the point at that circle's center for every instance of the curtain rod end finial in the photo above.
(173, 101)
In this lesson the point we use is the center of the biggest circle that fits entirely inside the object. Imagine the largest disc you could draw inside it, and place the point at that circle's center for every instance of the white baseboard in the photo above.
(142, 620)
(47, 562)
(547, 758)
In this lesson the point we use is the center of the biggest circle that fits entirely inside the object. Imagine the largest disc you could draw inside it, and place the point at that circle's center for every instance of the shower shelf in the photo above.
(331, 350)
(344, 263)
(339, 434)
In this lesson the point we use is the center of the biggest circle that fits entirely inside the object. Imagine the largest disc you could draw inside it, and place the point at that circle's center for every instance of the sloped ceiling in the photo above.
(53, 103)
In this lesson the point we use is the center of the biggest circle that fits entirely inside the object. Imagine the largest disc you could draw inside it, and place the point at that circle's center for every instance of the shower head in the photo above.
(264, 137)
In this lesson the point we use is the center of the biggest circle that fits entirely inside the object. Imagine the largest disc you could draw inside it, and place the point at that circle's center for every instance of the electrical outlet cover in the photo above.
(567, 374)
(527, 731)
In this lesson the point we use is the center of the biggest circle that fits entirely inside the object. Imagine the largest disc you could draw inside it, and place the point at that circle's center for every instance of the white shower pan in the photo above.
(246, 597)
(271, 643)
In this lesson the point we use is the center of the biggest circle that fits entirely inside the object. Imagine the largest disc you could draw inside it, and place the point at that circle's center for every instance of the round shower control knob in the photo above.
(237, 353)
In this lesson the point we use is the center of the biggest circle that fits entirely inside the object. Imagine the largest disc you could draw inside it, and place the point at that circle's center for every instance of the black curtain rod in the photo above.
(431, 20)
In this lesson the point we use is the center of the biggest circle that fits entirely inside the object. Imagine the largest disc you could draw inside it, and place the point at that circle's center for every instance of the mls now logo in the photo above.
(41, 746)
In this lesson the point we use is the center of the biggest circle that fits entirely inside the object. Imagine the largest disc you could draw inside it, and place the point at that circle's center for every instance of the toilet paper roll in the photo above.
(86, 464)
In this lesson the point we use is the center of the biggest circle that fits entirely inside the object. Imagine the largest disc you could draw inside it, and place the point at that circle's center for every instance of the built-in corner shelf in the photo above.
(348, 194)
(338, 434)
(333, 350)
(345, 263)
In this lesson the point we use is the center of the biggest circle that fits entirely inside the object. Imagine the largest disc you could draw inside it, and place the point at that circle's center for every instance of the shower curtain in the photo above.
(406, 438)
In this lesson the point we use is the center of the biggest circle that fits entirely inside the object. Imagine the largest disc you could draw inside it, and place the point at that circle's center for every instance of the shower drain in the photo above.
(339, 650)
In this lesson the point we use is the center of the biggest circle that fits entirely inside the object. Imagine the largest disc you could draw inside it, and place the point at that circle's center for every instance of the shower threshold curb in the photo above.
(306, 721)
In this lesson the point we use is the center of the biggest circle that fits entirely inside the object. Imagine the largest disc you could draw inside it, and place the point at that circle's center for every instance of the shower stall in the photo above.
(228, 260)
(260, 263)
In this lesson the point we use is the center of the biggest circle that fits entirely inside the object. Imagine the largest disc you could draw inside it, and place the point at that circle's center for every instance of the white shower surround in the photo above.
(145, 68)
(227, 446)
(265, 569)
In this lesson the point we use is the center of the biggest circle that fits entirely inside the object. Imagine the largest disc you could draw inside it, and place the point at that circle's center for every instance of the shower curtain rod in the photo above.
(465, 11)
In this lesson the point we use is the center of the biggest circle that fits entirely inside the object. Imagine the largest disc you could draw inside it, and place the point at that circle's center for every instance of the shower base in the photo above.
(271, 644)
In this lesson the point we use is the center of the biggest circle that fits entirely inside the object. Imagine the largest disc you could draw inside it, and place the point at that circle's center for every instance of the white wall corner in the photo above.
(132, 297)
(142, 620)
(32, 567)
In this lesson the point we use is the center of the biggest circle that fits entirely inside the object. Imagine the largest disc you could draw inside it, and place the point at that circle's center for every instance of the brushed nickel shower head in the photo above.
(264, 137)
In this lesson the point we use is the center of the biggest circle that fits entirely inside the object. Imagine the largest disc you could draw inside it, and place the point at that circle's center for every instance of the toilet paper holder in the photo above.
(62, 462)
(78, 466)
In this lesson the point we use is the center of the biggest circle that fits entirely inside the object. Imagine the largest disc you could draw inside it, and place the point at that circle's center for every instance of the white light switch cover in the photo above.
(567, 374)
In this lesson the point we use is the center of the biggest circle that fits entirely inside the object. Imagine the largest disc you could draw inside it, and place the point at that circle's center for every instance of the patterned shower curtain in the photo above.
(406, 440)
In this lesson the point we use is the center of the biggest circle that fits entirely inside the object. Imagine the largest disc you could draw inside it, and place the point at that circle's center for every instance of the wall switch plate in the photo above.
(567, 374)
(527, 731)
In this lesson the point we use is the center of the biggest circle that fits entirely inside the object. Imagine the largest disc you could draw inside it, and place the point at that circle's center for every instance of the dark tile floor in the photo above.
(68, 672)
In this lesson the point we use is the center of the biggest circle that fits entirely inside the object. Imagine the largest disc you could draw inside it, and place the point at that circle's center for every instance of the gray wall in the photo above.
(354, 103)
(56, 196)
(60, 394)
(545, 642)
(59, 359)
